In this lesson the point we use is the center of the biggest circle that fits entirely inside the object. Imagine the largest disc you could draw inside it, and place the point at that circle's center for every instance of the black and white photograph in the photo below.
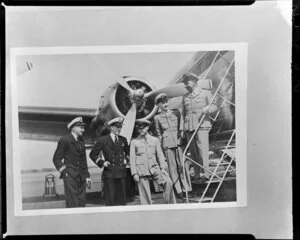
(149, 120)
(147, 127)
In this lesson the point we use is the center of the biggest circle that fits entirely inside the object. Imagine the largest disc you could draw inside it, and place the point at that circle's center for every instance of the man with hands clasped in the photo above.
(147, 161)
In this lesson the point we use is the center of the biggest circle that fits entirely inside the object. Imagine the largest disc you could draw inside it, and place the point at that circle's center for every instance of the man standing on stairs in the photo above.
(195, 105)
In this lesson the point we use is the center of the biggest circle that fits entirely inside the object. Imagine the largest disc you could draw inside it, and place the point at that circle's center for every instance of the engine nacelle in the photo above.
(116, 101)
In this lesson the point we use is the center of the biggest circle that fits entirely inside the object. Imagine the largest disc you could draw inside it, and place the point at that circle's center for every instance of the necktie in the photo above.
(116, 139)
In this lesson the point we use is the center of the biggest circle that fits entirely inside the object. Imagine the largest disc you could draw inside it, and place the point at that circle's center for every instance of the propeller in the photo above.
(128, 124)
(138, 97)
(137, 100)
(124, 84)
(135, 97)
(174, 90)
(112, 73)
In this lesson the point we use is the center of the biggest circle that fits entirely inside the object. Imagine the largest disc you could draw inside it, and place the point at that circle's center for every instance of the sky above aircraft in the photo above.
(79, 80)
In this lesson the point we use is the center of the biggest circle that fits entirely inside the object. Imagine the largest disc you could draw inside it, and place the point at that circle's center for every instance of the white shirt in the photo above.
(113, 137)
(74, 135)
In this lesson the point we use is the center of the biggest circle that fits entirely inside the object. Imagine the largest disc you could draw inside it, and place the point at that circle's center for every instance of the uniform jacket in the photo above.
(146, 156)
(115, 154)
(193, 104)
(71, 155)
(167, 126)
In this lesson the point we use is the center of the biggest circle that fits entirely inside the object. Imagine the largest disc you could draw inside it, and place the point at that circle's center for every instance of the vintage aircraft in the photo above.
(129, 97)
(133, 98)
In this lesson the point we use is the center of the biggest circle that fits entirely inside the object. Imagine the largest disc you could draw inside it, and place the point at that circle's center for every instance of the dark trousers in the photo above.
(75, 191)
(114, 191)
(130, 185)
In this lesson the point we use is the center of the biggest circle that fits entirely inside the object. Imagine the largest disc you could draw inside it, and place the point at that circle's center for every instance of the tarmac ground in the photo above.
(227, 192)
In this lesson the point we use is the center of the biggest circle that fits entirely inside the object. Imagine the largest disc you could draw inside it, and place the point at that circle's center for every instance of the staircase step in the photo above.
(215, 162)
(205, 199)
(213, 181)
(221, 173)
(225, 163)
(220, 169)
(222, 147)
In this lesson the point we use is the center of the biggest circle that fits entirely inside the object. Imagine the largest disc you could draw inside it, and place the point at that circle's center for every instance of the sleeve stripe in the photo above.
(62, 168)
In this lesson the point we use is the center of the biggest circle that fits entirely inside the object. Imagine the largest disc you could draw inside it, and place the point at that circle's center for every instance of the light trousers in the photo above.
(199, 149)
(174, 160)
(163, 180)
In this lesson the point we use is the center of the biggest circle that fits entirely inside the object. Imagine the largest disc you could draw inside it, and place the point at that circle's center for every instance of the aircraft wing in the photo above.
(50, 123)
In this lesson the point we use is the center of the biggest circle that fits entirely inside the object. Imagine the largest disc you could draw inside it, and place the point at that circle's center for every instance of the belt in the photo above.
(194, 112)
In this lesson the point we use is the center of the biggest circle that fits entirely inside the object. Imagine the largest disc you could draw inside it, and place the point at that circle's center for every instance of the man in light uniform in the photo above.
(167, 125)
(195, 104)
(147, 160)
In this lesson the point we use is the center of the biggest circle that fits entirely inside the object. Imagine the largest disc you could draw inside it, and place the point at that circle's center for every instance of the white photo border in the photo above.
(241, 53)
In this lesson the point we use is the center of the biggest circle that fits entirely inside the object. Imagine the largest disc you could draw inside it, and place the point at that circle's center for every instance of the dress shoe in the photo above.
(183, 195)
(190, 195)
(180, 196)
(201, 180)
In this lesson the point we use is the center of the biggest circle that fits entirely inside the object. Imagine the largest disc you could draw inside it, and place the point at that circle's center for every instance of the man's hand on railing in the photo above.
(205, 109)
(165, 172)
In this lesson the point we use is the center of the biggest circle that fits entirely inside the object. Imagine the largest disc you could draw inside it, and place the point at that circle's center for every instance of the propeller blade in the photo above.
(124, 84)
(128, 123)
(174, 90)
(111, 72)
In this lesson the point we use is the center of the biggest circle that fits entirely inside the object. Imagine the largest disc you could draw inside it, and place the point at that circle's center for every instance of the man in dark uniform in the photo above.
(195, 105)
(115, 152)
(70, 160)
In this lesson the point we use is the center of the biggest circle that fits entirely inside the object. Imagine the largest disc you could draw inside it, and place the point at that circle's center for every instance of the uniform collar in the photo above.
(167, 113)
(145, 138)
(75, 136)
(196, 91)
(113, 136)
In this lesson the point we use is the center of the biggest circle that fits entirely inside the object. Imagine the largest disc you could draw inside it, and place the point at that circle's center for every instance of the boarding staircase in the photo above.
(222, 142)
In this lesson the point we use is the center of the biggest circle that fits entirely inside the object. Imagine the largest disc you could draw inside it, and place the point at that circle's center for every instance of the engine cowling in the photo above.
(116, 101)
